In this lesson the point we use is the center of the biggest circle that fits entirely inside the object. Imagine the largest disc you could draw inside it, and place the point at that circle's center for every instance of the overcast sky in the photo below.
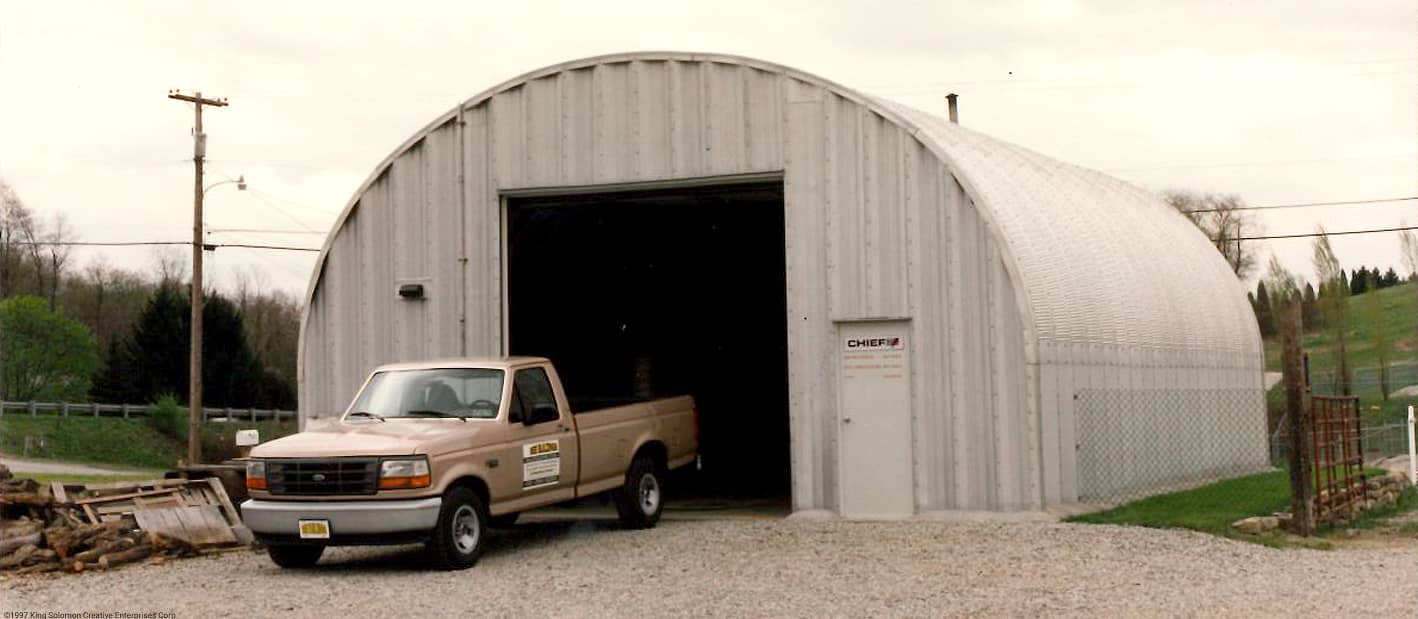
(1278, 102)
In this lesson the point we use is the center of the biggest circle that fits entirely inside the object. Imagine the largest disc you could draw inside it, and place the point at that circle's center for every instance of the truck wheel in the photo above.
(640, 501)
(504, 521)
(294, 556)
(462, 527)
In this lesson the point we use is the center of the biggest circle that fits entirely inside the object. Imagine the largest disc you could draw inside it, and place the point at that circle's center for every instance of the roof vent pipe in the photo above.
(954, 108)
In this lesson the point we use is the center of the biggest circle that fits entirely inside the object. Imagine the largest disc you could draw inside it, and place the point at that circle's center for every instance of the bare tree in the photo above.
(57, 251)
(1284, 286)
(1408, 250)
(1334, 300)
(170, 265)
(1222, 218)
(16, 228)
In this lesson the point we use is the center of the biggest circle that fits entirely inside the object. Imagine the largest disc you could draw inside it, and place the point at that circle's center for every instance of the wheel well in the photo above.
(657, 453)
(475, 484)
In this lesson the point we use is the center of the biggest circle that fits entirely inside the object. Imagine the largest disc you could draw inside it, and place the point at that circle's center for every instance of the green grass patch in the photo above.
(120, 442)
(1210, 508)
(46, 478)
(1400, 322)
(88, 440)
(1213, 507)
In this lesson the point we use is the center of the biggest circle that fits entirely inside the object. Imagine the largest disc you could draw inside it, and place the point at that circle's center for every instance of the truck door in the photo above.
(544, 442)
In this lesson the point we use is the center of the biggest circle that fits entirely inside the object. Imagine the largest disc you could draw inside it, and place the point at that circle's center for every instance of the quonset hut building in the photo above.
(879, 312)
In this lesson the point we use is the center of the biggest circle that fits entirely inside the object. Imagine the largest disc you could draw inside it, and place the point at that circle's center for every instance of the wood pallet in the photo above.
(193, 510)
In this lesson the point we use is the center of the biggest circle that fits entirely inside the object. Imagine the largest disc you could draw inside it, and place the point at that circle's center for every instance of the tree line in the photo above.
(106, 334)
(1225, 219)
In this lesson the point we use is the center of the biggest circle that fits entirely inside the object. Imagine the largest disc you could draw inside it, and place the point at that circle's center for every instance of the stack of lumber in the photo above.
(75, 527)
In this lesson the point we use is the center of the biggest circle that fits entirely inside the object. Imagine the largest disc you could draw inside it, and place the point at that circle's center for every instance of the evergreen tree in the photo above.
(1389, 279)
(1265, 314)
(1310, 309)
(153, 360)
(1359, 281)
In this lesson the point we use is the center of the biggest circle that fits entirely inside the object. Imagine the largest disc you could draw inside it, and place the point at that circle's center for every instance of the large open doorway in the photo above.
(656, 293)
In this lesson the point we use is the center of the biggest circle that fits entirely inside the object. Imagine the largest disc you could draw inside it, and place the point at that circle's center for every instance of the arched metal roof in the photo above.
(1094, 260)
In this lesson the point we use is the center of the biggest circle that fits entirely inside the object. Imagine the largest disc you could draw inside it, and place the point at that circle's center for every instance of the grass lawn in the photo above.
(119, 442)
(1400, 322)
(1210, 508)
(45, 478)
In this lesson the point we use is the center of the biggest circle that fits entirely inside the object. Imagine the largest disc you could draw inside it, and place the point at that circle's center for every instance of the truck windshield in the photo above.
(444, 392)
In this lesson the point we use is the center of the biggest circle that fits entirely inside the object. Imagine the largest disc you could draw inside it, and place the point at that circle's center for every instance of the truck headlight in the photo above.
(404, 473)
(255, 475)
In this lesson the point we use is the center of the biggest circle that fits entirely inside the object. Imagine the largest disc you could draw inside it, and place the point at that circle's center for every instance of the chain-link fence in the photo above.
(1136, 443)
(1400, 375)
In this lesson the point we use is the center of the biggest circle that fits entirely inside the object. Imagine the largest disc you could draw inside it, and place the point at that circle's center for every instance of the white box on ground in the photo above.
(247, 438)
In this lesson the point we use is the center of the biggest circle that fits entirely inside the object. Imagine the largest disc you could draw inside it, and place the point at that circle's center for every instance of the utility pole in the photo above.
(194, 392)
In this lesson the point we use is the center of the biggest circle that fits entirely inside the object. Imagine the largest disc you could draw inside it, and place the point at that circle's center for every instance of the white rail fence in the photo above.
(132, 411)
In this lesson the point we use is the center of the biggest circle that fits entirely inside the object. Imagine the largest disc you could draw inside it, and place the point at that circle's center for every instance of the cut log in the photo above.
(120, 544)
(9, 544)
(17, 558)
(28, 499)
(41, 567)
(126, 556)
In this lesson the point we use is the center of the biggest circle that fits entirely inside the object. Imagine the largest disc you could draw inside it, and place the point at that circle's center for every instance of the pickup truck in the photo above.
(436, 452)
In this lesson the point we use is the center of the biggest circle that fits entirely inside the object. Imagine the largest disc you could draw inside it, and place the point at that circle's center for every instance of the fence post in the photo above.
(1412, 453)
(33, 409)
(125, 411)
(64, 409)
(1297, 412)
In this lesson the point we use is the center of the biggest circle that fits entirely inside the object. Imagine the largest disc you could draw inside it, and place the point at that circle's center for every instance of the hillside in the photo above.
(1400, 322)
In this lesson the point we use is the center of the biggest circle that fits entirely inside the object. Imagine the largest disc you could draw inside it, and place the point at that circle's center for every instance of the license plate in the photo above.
(314, 529)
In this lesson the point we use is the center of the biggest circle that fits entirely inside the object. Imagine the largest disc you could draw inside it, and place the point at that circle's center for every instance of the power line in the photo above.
(1315, 234)
(1301, 205)
(155, 243)
(260, 231)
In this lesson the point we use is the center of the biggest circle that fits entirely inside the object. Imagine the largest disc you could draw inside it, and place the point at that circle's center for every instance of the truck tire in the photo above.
(462, 527)
(641, 500)
(292, 556)
(504, 521)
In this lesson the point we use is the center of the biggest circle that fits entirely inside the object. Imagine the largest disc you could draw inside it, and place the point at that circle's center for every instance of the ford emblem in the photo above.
(318, 477)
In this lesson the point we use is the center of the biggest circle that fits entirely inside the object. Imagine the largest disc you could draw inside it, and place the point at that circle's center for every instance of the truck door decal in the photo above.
(541, 464)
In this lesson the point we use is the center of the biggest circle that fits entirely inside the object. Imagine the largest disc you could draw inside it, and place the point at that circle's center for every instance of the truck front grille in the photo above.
(324, 476)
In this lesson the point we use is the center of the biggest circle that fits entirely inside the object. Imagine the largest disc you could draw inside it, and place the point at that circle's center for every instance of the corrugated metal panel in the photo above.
(992, 252)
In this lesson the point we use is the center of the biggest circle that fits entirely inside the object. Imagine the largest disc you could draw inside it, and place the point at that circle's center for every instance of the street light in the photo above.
(194, 416)
(240, 184)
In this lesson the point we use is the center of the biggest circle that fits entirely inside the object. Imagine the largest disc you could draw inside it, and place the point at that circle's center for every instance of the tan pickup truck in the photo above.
(436, 452)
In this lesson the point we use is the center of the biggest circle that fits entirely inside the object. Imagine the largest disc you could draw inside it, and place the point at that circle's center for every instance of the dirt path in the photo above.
(54, 467)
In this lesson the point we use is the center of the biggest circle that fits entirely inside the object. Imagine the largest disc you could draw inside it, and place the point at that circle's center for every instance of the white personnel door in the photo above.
(874, 419)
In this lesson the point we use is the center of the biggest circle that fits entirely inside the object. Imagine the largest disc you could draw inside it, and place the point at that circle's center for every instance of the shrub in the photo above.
(168, 417)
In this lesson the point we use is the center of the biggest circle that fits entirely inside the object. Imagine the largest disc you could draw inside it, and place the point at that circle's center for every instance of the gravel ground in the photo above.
(771, 568)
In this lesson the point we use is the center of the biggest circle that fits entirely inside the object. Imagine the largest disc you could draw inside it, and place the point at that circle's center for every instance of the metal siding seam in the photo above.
(462, 202)
(921, 489)
(632, 78)
(999, 462)
(827, 405)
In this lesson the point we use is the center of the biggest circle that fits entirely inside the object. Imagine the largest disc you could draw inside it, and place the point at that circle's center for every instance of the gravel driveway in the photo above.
(772, 568)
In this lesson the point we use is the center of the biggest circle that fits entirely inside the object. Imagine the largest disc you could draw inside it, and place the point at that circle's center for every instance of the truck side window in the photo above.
(531, 391)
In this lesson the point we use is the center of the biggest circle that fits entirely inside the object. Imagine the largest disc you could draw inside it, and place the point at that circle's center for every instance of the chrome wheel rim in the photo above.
(465, 529)
(649, 494)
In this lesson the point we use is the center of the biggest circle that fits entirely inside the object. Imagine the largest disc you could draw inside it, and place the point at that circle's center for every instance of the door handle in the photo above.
(846, 420)
(565, 429)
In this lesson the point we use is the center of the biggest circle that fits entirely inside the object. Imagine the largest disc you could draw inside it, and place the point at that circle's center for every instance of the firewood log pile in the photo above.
(42, 533)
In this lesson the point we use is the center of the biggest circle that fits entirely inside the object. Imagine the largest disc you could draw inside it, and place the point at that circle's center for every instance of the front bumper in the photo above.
(280, 519)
